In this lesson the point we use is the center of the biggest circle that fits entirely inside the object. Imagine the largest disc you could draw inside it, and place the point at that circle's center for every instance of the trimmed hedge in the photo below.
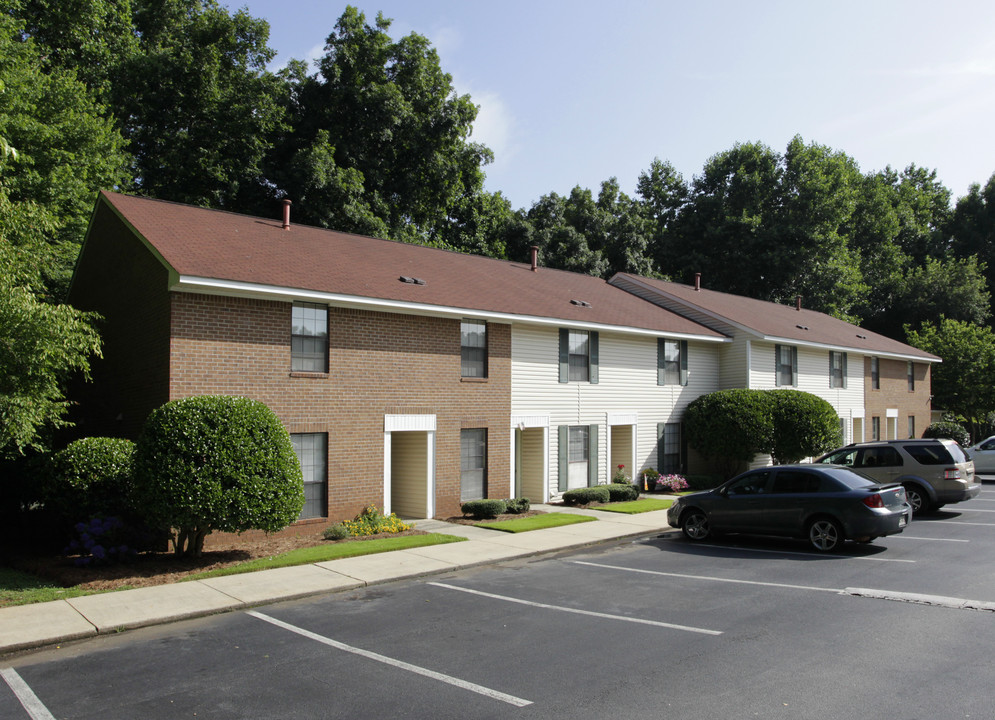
(216, 462)
(950, 430)
(622, 492)
(92, 476)
(517, 505)
(584, 496)
(483, 509)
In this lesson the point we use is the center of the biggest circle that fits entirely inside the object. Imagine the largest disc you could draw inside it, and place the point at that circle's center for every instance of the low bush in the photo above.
(89, 477)
(950, 430)
(100, 541)
(622, 492)
(484, 509)
(704, 482)
(372, 522)
(584, 496)
(517, 505)
(338, 531)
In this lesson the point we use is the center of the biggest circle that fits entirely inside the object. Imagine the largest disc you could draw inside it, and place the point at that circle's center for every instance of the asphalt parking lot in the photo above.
(659, 627)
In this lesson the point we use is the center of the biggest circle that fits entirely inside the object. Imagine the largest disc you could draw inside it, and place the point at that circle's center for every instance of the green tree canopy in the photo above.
(962, 383)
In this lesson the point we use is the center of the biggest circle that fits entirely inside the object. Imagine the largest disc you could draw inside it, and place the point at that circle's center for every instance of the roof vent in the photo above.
(697, 281)
(798, 302)
(581, 303)
(286, 213)
(802, 327)
(862, 337)
(411, 280)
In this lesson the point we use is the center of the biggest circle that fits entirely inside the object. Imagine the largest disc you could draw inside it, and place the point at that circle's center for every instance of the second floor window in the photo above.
(672, 362)
(875, 374)
(578, 356)
(473, 348)
(911, 373)
(786, 365)
(837, 369)
(309, 338)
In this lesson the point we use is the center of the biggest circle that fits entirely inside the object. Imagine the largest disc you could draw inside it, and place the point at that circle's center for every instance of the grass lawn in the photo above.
(638, 506)
(21, 588)
(331, 551)
(536, 522)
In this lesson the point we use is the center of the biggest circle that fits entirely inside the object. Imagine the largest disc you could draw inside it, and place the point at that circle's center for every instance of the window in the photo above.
(753, 484)
(912, 426)
(796, 481)
(911, 374)
(578, 457)
(875, 428)
(312, 452)
(473, 344)
(670, 459)
(672, 362)
(886, 456)
(786, 364)
(578, 356)
(875, 374)
(309, 338)
(837, 369)
(473, 464)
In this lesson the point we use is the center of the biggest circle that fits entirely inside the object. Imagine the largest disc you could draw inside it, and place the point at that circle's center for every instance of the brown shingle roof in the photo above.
(772, 320)
(223, 246)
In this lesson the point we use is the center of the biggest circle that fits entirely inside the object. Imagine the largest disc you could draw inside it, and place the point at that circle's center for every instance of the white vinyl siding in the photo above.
(627, 384)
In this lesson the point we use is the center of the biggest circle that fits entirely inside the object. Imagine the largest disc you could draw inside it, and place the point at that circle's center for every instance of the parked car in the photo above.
(823, 503)
(983, 455)
(933, 472)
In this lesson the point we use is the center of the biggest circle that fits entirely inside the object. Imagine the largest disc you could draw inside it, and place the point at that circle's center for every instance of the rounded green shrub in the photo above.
(950, 430)
(92, 476)
(216, 462)
(584, 496)
(731, 426)
(483, 509)
(805, 425)
(338, 531)
(517, 505)
(622, 492)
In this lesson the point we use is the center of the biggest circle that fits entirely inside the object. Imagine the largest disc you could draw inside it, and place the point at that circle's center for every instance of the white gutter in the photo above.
(213, 286)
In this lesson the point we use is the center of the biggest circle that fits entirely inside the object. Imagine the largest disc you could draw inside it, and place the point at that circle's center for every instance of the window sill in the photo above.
(473, 379)
(315, 375)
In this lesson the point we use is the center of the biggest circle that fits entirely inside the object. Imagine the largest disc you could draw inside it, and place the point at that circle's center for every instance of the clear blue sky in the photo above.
(573, 93)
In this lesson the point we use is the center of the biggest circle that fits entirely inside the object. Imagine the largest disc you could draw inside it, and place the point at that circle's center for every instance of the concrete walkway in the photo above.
(29, 626)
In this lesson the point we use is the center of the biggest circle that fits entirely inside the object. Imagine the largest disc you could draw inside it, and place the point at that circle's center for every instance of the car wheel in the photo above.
(825, 534)
(694, 525)
(917, 498)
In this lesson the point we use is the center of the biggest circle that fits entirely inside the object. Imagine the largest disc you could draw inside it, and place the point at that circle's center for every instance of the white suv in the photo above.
(933, 472)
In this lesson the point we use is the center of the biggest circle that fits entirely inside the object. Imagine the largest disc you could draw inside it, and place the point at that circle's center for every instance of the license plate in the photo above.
(903, 521)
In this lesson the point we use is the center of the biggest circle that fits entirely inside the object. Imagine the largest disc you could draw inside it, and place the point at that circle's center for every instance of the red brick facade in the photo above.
(379, 364)
(894, 394)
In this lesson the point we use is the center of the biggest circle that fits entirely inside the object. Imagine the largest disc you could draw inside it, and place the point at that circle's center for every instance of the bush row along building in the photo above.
(413, 378)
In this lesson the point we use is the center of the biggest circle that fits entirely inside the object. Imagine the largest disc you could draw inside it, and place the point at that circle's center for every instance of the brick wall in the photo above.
(379, 363)
(894, 394)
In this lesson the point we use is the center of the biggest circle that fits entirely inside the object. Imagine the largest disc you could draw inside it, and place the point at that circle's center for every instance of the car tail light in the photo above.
(951, 474)
(874, 501)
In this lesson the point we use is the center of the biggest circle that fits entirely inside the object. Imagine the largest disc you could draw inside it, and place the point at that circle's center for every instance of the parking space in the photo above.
(662, 626)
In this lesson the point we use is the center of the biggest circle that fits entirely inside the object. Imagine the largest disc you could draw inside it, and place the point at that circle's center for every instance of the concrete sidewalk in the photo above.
(29, 626)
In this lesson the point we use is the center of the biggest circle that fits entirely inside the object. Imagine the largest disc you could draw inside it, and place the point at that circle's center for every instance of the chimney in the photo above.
(697, 281)
(535, 257)
(798, 302)
(286, 213)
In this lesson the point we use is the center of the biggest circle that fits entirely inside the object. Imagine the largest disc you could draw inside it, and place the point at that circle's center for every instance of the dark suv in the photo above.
(933, 472)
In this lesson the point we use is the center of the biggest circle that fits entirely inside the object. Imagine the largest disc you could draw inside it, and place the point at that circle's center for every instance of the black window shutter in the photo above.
(564, 355)
(594, 357)
(563, 457)
(684, 362)
(592, 456)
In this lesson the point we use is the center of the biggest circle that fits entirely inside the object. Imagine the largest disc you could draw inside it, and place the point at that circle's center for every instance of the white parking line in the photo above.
(837, 591)
(36, 710)
(801, 554)
(575, 611)
(462, 684)
(903, 536)
(958, 522)
(948, 602)
(974, 509)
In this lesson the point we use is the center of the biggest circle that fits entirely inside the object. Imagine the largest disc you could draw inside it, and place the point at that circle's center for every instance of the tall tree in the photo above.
(663, 194)
(391, 133)
(67, 147)
(972, 229)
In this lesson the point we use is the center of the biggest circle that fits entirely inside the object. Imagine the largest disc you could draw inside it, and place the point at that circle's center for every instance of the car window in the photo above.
(796, 481)
(843, 457)
(931, 454)
(753, 484)
(847, 478)
(988, 444)
(884, 456)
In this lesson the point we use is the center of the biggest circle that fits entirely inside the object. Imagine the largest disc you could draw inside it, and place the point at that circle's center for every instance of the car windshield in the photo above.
(849, 478)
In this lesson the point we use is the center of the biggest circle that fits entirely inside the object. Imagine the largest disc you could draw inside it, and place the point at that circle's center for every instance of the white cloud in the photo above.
(494, 125)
